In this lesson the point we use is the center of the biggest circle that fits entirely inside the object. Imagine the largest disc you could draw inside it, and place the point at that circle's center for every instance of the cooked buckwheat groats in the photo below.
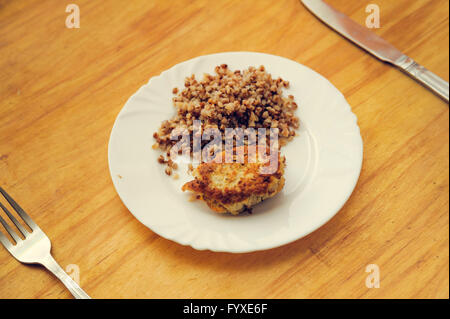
(230, 99)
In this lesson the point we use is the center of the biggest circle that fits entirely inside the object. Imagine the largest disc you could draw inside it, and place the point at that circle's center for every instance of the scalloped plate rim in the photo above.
(279, 243)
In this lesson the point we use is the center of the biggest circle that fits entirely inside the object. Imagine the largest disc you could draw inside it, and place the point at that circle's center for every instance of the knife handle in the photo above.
(425, 76)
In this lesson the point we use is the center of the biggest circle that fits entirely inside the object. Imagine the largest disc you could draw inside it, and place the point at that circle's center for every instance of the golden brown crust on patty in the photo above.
(233, 187)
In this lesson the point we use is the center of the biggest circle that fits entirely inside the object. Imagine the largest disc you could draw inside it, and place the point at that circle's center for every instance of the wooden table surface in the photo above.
(61, 89)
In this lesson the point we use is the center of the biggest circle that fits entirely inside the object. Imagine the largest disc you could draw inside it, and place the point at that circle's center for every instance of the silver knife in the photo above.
(375, 45)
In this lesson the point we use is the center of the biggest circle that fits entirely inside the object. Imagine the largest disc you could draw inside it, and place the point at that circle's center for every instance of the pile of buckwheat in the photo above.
(247, 99)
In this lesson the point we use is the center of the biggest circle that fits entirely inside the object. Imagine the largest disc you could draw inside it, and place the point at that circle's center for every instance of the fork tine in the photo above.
(5, 241)
(10, 230)
(14, 220)
(19, 210)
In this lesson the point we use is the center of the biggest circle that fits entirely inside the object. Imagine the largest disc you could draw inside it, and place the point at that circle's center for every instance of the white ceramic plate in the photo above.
(323, 162)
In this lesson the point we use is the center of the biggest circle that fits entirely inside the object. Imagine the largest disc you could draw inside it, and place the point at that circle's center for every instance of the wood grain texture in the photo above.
(61, 90)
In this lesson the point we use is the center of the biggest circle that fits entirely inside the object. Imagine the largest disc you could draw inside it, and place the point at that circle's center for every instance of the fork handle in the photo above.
(50, 263)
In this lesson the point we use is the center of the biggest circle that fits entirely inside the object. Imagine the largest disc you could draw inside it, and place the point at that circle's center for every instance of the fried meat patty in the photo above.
(235, 187)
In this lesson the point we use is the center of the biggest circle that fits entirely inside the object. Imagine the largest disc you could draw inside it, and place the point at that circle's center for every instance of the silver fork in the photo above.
(35, 247)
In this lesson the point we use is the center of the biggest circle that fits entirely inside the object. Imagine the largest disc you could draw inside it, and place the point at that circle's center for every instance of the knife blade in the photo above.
(376, 46)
